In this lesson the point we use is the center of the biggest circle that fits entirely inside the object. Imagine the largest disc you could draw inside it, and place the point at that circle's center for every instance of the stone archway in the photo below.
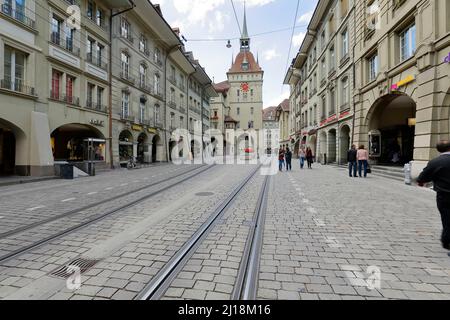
(393, 117)
(322, 146)
(157, 146)
(344, 143)
(126, 146)
(71, 142)
(142, 149)
(12, 143)
(331, 146)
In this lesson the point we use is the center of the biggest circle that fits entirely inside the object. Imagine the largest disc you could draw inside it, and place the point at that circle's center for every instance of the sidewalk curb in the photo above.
(26, 181)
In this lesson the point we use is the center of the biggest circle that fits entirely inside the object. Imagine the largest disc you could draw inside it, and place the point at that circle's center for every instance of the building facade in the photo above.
(70, 92)
(270, 124)
(402, 96)
(320, 79)
(284, 124)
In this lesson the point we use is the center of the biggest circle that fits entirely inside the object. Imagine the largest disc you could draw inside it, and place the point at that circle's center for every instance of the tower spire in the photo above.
(244, 29)
(245, 39)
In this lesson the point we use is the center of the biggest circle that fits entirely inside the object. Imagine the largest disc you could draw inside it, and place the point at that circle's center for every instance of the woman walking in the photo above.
(309, 157)
(302, 157)
(363, 160)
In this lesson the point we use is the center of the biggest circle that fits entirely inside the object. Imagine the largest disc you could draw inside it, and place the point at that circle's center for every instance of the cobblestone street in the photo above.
(325, 236)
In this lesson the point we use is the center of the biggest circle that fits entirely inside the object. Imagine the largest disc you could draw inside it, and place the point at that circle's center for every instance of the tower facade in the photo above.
(246, 79)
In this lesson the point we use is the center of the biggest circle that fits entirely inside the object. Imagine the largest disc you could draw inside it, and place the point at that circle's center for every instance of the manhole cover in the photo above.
(204, 194)
(82, 264)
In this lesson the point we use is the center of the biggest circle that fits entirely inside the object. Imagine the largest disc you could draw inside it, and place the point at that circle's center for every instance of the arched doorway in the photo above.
(297, 147)
(393, 118)
(7, 151)
(196, 148)
(156, 145)
(331, 153)
(78, 143)
(323, 146)
(142, 149)
(125, 146)
(313, 144)
(344, 143)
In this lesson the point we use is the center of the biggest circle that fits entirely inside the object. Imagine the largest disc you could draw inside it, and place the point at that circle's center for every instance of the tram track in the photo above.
(95, 217)
(246, 282)
(89, 206)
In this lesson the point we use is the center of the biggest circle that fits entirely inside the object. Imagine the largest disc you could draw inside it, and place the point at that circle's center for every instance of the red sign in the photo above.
(344, 114)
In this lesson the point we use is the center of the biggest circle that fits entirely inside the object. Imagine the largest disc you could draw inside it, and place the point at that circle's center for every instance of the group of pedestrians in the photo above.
(358, 162)
(285, 158)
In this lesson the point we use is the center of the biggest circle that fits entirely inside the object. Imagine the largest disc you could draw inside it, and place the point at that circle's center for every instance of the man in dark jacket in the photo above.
(438, 172)
(352, 161)
(288, 159)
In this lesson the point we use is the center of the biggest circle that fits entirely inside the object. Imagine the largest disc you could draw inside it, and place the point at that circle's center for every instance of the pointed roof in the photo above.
(243, 58)
(245, 29)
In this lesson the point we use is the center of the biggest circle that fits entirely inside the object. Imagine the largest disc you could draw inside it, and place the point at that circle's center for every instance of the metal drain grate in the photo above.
(67, 270)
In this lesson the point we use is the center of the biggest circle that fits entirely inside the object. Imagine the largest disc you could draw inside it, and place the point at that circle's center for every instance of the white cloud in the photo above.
(279, 99)
(298, 39)
(306, 18)
(271, 54)
(218, 23)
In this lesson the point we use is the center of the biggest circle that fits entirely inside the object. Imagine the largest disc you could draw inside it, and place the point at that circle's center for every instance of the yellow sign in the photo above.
(135, 127)
(151, 130)
(402, 83)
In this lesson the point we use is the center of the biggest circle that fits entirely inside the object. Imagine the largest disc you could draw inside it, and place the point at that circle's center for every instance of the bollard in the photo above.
(407, 170)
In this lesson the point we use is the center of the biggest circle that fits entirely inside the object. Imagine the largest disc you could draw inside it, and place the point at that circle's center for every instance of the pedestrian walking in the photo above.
(352, 161)
(302, 157)
(363, 160)
(288, 157)
(281, 159)
(309, 157)
(438, 172)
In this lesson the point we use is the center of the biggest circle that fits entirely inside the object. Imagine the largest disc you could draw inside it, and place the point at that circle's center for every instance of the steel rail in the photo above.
(248, 275)
(163, 279)
(90, 206)
(100, 217)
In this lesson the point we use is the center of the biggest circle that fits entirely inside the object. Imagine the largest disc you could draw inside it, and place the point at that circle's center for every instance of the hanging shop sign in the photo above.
(98, 123)
(447, 58)
(135, 127)
(402, 83)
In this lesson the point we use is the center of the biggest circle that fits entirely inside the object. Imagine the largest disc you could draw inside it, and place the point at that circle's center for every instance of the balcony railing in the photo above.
(96, 61)
(148, 123)
(127, 37)
(69, 99)
(96, 106)
(126, 117)
(157, 91)
(172, 104)
(17, 86)
(66, 44)
(173, 80)
(18, 15)
(145, 87)
(127, 77)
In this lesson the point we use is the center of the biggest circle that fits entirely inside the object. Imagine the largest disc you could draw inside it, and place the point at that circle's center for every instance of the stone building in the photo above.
(270, 124)
(282, 117)
(71, 93)
(402, 84)
(386, 84)
(320, 78)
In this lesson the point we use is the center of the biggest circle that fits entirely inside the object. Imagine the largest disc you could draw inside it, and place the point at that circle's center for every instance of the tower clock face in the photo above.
(245, 87)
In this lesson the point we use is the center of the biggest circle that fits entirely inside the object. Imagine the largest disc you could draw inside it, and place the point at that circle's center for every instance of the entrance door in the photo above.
(7, 152)
(397, 145)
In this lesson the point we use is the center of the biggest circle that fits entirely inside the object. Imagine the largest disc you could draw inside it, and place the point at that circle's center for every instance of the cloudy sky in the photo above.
(202, 22)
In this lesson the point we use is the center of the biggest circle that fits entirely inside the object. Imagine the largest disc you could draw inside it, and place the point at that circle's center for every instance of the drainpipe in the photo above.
(111, 16)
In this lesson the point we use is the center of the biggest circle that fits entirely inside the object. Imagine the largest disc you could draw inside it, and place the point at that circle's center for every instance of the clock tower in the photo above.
(246, 78)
